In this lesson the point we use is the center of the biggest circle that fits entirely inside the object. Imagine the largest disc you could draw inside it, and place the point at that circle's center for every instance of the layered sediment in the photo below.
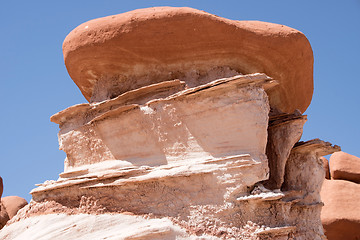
(193, 137)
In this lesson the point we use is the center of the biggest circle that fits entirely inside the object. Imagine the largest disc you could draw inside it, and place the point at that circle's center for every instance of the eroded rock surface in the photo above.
(9, 206)
(88, 226)
(183, 138)
(283, 132)
(340, 215)
(13, 204)
(147, 46)
(1, 187)
(4, 217)
(326, 167)
(196, 157)
(344, 166)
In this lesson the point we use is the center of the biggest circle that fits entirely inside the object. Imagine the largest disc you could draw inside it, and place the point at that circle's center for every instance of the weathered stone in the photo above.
(303, 178)
(344, 166)
(283, 132)
(182, 126)
(1, 186)
(177, 142)
(87, 226)
(206, 166)
(109, 56)
(13, 204)
(4, 217)
(340, 214)
(326, 167)
(9, 206)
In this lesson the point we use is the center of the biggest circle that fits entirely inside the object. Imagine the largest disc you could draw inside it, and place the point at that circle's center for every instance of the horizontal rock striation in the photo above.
(196, 157)
(186, 136)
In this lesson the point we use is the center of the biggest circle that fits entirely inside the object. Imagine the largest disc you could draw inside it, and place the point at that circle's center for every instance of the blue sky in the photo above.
(35, 83)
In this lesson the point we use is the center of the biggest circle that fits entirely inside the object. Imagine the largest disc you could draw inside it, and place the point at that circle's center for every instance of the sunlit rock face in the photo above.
(341, 212)
(9, 206)
(193, 143)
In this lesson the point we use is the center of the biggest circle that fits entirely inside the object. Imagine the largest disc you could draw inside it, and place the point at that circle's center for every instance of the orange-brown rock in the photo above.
(4, 217)
(340, 214)
(3, 214)
(345, 166)
(1, 186)
(9, 206)
(109, 56)
(13, 204)
(326, 167)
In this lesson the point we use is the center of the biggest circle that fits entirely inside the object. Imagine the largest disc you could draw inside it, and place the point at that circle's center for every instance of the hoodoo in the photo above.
(191, 132)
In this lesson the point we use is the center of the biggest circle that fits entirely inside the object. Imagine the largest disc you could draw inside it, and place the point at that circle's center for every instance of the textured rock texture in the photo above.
(340, 215)
(344, 166)
(1, 187)
(13, 204)
(326, 167)
(109, 56)
(182, 138)
(341, 211)
(87, 226)
(194, 160)
(9, 206)
(283, 132)
(170, 130)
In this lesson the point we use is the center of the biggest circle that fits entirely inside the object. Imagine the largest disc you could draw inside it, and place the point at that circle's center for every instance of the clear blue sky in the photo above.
(35, 83)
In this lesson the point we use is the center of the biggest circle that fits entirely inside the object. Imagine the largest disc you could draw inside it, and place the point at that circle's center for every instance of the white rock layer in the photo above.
(186, 163)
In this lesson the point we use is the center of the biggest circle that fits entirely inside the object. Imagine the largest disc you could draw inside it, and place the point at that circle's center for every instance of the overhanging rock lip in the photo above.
(255, 79)
(144, 173)
(123, 99)
(244, 46)
(319, 147)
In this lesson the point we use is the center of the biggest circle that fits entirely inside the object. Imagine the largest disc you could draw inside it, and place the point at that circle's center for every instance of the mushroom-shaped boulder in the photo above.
(134, 49)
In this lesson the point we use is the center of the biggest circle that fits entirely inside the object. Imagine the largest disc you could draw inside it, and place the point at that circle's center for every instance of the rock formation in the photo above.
(1, 187)
(9, 206)
(341, 211)
(109, 56)
(344, 166)
(192, 132)
(326, 167)
(4, 217)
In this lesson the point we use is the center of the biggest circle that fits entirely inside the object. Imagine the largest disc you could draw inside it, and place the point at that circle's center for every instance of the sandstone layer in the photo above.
(340, 215)
(4, 217)
(1, 187)
(9, 206)
(109, 56)
(185, 136)
(13, 204)
(326, 167)
(344, 166)
(193, 158)
(88, 226)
